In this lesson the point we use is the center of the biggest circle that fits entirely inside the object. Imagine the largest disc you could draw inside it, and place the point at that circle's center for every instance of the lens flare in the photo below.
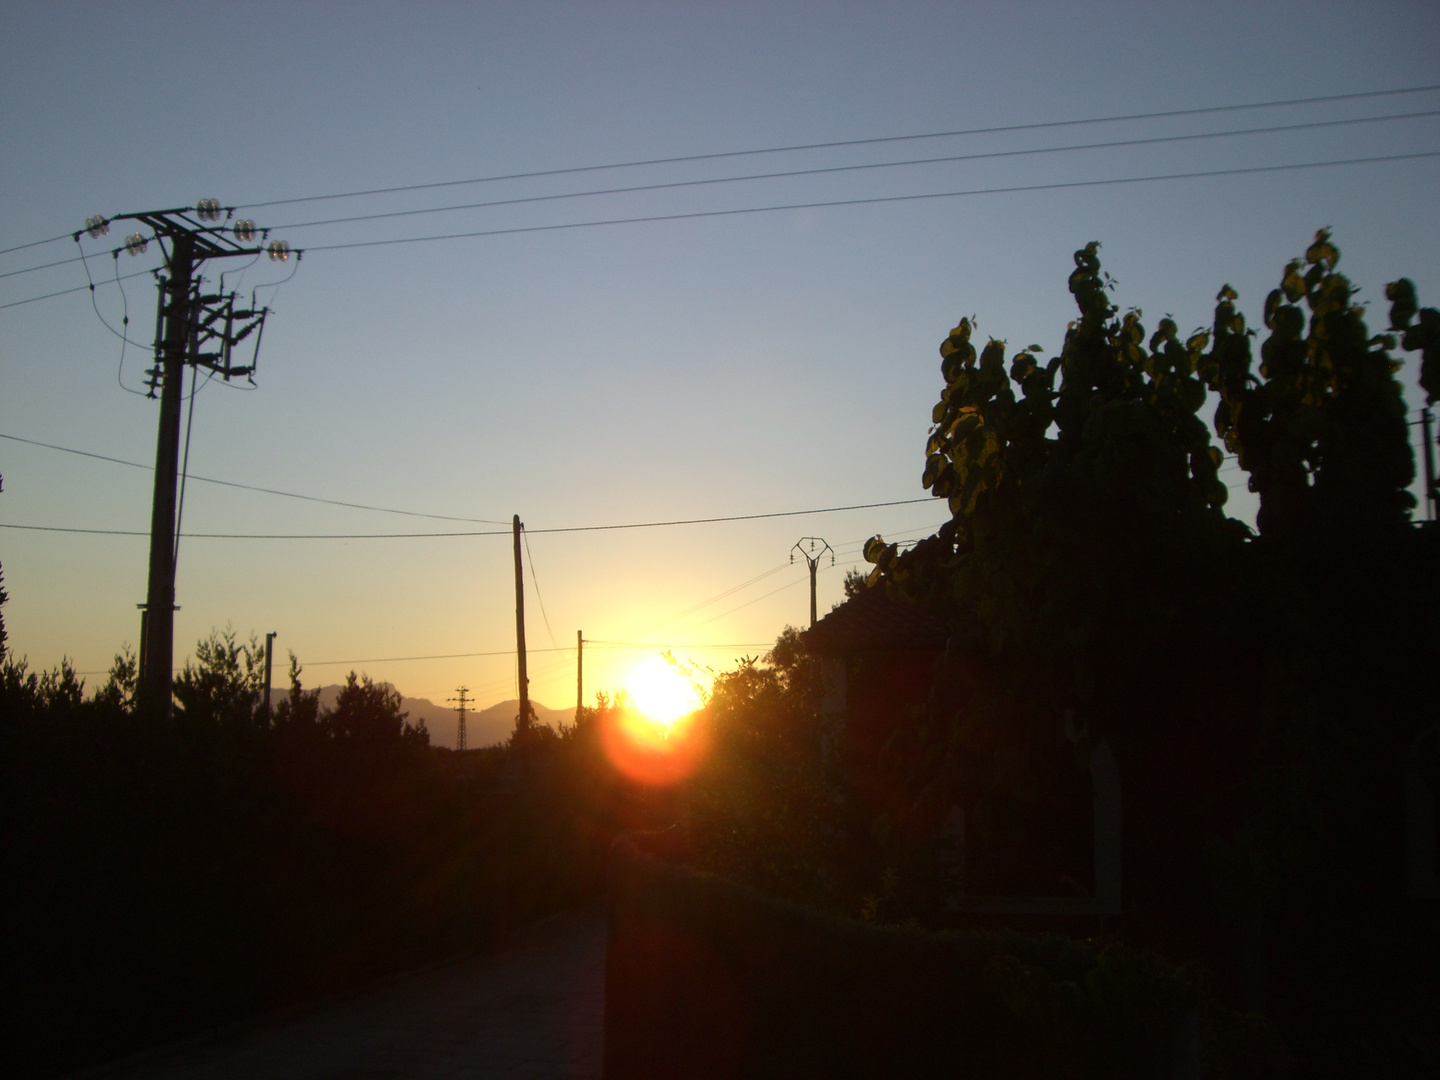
(649, 752)
(661, 692)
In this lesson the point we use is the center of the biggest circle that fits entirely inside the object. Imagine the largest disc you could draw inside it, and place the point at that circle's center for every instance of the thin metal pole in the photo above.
(579, 672)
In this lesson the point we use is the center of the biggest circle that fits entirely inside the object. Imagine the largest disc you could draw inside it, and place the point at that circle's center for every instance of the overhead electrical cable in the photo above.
(831, 169)
(837, 144)
(77, 288)
(673, 645)
(817, 171)
(253, 487)
(739, 607)
(798, 147)
(848, 547)
(735, 517)
(1062, 185)
(471, 533)
(37, 243)
(820, 204)
(534, 580)
(434, 656)
(42, 266)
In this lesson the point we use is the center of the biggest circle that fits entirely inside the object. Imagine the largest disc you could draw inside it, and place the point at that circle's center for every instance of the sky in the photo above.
(697, 367)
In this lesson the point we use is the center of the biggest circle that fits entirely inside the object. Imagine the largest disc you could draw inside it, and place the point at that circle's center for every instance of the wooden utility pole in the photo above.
(159, 646)
(1426, 432)
(522, 726)
(813, 557)
(579, 673)
(269, 664)
(187, 321)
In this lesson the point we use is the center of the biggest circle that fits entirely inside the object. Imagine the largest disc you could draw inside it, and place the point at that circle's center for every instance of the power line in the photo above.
(797, 147)
(736, 517)
(77, 288)
(436, 656)
(252, 487)
(739, 607)
(470, 533)
(819, 204)
(877, 199)
(672, 645)
(42, 266)
(534, 580)
(36, 243)
(837, 144)
(831, 169)
(511, 652)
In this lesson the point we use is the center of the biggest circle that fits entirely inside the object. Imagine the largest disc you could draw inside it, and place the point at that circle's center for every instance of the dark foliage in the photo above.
(163, 876)
(707, 978)
(1261, 692)
(757, 810)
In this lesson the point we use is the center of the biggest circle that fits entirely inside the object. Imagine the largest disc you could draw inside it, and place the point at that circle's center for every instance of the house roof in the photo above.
(874, 622)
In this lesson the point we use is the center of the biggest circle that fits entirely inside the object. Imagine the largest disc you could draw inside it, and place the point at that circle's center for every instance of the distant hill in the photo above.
(484, 728)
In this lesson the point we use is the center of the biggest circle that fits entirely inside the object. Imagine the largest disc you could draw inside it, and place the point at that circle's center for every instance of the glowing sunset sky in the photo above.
(695, 367)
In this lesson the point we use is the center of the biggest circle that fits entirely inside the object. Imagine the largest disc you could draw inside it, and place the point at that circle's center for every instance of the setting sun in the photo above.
(660, 692)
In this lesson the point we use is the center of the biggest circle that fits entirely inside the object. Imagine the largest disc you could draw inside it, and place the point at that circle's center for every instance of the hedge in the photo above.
(708, 978)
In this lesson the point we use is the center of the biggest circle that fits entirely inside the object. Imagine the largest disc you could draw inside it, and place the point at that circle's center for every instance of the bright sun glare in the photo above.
(660, 692)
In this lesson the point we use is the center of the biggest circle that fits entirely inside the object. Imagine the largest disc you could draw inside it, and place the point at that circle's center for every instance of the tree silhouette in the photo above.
(1260, 691)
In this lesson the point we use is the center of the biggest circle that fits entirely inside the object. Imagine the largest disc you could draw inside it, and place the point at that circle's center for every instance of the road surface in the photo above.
(535, 1009)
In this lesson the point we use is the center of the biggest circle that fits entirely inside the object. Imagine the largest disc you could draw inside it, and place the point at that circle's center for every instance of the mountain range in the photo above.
(483, 728)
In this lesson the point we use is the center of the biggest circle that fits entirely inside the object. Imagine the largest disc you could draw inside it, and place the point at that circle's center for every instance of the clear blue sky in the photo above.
(673, 369)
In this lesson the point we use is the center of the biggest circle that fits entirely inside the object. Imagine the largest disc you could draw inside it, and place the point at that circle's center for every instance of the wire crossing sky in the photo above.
(655, 279)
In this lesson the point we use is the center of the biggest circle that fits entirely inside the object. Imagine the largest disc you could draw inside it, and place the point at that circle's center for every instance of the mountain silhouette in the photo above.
(484, 727)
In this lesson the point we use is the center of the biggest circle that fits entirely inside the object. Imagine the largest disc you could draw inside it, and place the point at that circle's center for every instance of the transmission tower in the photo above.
(817, 549)
(193, 329)
(461, 701)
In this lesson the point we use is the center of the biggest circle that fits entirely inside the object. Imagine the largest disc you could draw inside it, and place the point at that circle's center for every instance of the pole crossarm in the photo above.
(462, 702)
(196, 329)
(812, 549)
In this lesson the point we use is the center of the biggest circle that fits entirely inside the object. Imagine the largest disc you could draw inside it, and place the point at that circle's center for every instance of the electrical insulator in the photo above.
(279, 251)
(208, 209)
(244, 229)
(136, 244)
(96, 226)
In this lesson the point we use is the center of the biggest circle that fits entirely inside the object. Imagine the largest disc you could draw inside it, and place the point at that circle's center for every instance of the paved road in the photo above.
(535, 1009)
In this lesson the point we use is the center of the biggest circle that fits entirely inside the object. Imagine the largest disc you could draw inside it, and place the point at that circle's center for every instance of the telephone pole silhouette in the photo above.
(1426, 419)
(813, 557)
(522, 722)
(269, 665)
(461, 701)
(188, 322)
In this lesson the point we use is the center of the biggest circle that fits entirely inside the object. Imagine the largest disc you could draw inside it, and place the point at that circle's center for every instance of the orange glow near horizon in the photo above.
(650, 752)
(661, 692)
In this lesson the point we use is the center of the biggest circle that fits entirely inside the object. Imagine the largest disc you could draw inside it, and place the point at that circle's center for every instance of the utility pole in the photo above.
(817, 549)
(176, 310)
(579, 673)
(144, 633)
(1426, 418)
(461, 701)
(187, 321)
(522, 723)
(269, 661)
